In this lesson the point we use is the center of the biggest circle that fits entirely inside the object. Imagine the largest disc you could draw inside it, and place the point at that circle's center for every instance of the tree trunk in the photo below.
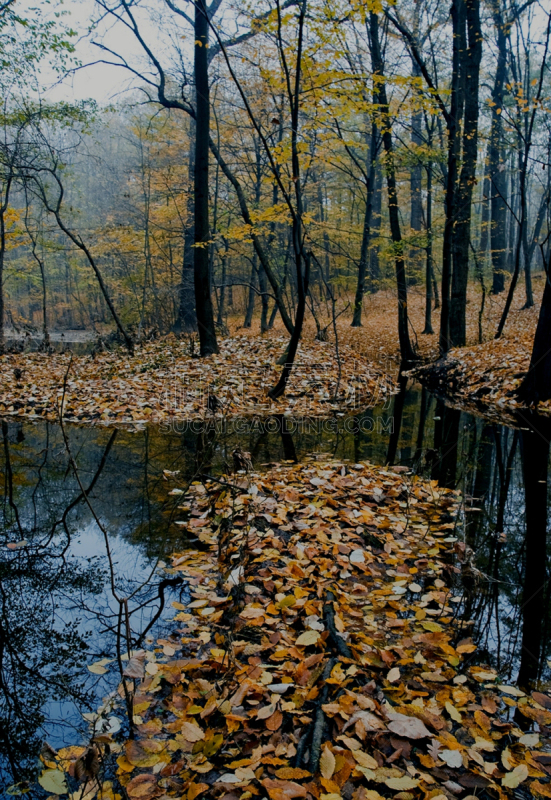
(302, 257)
(416, 176)
(536, 386)
(374, 268)
(429, 266)
(366, 235)
(252, 294)
(186, 321)
(535, 460)
(406, 350)
(263, 299)
(2, 254)
(222, 301)
(496, 158)
(201, 271)
(453, 124)
(462, 233)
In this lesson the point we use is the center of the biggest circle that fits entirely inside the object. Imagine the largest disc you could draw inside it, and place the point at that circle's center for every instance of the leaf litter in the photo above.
(163, 380)
(298, 669)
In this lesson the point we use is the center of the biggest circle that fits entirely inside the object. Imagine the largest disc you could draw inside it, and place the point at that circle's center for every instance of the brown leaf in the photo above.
(144, 752)
(283, 790)
(135, 668)
(274, 722)
(408, 727)
(143, 787)
(192, 732)
(292, 773)
(542, 699)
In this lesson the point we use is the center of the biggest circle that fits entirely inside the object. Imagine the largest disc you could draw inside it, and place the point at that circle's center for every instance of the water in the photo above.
(60, 591)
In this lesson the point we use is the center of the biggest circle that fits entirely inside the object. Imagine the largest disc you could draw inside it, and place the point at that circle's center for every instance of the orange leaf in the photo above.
(196, 789)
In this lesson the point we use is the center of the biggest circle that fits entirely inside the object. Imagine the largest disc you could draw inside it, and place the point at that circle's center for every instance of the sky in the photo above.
(100, 82)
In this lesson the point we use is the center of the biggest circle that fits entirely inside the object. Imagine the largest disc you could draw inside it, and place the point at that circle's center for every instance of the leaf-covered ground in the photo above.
(487, 376)
(164, 381)
(320, 655)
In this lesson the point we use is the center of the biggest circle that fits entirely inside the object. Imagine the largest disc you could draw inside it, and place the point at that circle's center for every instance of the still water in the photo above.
(64, 565)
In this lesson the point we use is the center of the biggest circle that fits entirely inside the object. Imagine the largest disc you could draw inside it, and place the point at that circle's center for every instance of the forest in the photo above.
(275, 399)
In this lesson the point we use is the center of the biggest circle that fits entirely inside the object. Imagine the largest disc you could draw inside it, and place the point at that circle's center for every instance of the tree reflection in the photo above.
(535, 595)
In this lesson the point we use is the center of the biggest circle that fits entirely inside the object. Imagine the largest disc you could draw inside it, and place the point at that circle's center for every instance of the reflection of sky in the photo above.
(65, 723)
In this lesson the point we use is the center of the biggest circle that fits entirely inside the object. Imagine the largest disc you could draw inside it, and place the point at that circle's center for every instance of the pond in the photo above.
(66, 566)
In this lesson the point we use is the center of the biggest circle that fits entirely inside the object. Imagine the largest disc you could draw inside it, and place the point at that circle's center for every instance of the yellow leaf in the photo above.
(516, 777)
(453, 712)
(327, 763)
(364, 759)
(511, 690)
(401, 784)
(53, 781)
(308, 638)
(433, 627)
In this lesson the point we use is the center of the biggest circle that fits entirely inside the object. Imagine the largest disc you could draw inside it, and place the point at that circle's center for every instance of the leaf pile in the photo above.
(486, 377)
(320, 655)
(163, 381)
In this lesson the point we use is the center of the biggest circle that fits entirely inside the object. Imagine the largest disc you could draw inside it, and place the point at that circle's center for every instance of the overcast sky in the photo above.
(101, 82)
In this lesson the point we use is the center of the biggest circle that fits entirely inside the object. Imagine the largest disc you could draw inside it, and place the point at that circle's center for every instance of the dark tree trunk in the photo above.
(222, 301)
(2, 254)
(201, 271)
(536, 386)
(462, 232)
(446, 437)
(416, 178)
(496, 158)
(406, 350)
(264, 299)
(535, 460)
(302, 257)
(374, 268)
(484, 221)
(428, 265)
(186, 320)
(366, 234)
(252, 294)
(453, 124)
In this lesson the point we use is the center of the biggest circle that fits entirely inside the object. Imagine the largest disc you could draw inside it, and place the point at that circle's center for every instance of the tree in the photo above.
(406, 350)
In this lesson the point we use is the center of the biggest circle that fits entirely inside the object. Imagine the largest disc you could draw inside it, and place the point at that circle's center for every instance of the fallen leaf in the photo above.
(308, 638)
(53, 781)
(401, 784)
(452, 758)
(393, 675)
(191, 732)
(327, 763)
(516, 777)
(408, 727)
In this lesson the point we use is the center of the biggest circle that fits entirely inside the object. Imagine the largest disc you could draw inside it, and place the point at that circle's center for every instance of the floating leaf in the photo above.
(53, 781)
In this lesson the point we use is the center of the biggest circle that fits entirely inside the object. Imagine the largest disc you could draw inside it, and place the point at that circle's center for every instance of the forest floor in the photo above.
(165, 380)
(320, 655)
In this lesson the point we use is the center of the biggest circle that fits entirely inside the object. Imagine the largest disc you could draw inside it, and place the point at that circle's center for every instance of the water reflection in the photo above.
(58, 593)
